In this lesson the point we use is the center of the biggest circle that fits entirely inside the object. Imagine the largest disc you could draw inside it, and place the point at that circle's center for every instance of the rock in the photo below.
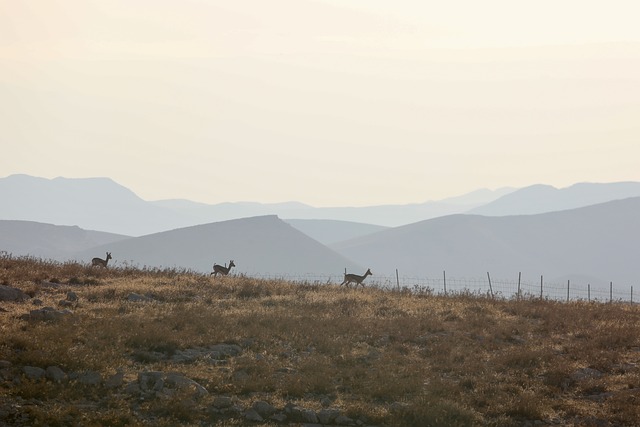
(150, 381)
(37, 302)
(5, 364)
(179, 381)
(299, 414)
(263, 408)
(132, 388)
(240, 376)
(46, 314)
(396, 407)
(216, 354)
(252, 415)
(328, 416)
(279, 417)
(72, 296)
(133, 297)
(65, 303)
(221, 402)
(7, 293)
(55, 374)
(90, 378)
(223, 351)
(49, 284)
(33, 373)
(586, 374)
(343, 420)
(325, 402)
(114, 381)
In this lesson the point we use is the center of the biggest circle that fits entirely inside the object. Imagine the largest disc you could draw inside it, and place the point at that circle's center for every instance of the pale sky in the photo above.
(327, 102)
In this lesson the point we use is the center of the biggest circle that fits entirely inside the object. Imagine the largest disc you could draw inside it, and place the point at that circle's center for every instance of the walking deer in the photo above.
(101, 262)
(354, 278)
(222, 270)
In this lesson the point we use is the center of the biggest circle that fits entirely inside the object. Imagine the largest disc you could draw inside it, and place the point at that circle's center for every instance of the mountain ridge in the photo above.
(263, 245)
(596, 240)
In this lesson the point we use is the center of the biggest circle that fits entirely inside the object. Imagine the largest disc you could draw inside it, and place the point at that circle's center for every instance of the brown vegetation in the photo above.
(380, 357)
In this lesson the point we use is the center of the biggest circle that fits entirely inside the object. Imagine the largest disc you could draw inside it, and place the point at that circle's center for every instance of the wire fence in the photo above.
(488, 286)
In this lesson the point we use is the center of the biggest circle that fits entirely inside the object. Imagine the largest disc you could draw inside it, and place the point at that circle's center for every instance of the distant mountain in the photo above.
(90, 203)
(49, 241)
(598, 241)
(102, 204)
(202, 213)
(262, 245)
(382, 215)
(327, 231)
(545, 198)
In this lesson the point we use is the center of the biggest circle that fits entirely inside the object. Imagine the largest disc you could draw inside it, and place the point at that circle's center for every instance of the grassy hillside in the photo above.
(166, 347)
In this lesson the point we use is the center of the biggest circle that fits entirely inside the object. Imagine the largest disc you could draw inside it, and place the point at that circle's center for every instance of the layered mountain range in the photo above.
(586, 230)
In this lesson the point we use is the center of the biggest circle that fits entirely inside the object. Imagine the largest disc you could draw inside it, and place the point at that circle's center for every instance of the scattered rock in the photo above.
(65, 303)
(328, 416)
(263, 408)
(586, 374)
(33, 373)
(178, 381)
(279, 417)
(150, 381)
(599, 397)
(7, 293)
(72, 296)
(154, 383)
(396, 407)
(37, 302)
(115, 381)
(55, 374)
(133, 388)
(222, 402)
(133, 297)
(90, 378)
(46, 314)
(5, 364)
(49, 284)
(343, 420)
(299, 414)
(252, 415)
(241, 376)
(223, 351)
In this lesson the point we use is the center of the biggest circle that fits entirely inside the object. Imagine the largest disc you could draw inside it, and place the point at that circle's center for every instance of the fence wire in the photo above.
(488, 286)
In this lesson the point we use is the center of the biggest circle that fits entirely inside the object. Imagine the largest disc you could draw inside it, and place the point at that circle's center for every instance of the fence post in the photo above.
(490, 287)
(444, 277)
(610, 292)
(631, 294)
(568, 290)
(589, 292)
(519, 277)
(397, 279)
(541, 281)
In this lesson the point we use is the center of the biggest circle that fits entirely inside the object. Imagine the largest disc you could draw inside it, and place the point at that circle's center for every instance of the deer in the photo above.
(222, 270)
(101, 262)
(354, 278)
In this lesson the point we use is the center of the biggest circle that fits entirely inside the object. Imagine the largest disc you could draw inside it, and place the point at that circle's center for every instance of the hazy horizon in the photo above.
(325, 102)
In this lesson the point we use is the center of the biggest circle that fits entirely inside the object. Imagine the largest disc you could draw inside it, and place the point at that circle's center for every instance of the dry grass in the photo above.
(386, 358)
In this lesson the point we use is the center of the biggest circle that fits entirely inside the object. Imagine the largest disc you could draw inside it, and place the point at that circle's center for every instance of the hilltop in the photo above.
(123, 346)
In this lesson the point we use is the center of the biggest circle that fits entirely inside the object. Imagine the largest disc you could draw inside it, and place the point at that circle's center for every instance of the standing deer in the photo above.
(222, 270)
(101, 262)
(354, 278)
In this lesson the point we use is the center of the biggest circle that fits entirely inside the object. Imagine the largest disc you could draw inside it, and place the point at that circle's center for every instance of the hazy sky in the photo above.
(328, 102)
